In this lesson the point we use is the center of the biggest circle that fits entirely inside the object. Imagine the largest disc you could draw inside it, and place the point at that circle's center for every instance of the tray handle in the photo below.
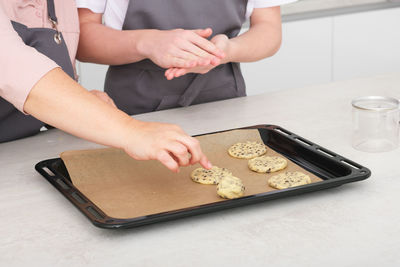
(354, 167)
(88, 208)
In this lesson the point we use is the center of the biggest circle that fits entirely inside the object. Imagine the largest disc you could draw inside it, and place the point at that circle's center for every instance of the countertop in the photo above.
(356, 224)
(307, 9)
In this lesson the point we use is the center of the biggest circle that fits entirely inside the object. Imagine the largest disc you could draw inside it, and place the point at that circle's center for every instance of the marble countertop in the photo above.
(356, 224)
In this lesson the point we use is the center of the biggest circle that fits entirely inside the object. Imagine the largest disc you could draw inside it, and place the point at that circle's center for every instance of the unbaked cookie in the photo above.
(289, 179)
(267, 164)
(212, 176)
(247, 150)
(230, 187)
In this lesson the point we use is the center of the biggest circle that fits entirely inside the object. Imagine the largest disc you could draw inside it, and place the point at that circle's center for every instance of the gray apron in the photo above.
(141, 87)
(13, 123)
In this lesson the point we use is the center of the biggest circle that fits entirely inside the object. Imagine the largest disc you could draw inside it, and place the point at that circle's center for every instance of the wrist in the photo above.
(230, 51)
(127, 131)
(144, 41)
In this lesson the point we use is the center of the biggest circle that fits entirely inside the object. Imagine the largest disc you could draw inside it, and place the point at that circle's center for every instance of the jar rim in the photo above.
(391, 103)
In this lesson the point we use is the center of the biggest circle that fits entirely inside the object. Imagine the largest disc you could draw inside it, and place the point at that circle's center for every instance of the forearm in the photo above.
(262, 40)
(59, 101)
(103, 45)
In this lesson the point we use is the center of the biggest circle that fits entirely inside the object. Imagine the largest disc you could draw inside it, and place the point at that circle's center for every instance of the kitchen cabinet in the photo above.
(330, 49)
(91, 76)
(303, 59)
(366, 44)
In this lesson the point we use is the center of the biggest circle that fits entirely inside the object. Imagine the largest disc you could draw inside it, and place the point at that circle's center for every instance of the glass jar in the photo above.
(375, 123)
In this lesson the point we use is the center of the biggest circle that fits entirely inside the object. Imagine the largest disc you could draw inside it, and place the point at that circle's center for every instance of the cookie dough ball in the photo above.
(289, 179)
(247, 150)
(230, 187)
(265, 164)
(212, 176)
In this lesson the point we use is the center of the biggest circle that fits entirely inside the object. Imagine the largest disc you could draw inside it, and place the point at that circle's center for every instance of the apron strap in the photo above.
(51, 10)
(53, 19)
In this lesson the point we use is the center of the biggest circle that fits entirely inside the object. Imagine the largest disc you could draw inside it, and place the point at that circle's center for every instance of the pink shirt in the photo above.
(21, 66)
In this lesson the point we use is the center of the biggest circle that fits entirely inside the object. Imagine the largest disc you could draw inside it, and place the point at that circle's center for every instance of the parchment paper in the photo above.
(126, 188)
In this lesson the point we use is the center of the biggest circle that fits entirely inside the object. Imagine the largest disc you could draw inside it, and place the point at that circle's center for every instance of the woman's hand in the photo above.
(221, 41)
(179, 48)
(58, 100)
(166, 143)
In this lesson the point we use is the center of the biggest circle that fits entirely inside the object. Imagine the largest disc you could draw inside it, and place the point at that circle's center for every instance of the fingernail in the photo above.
(209, 165)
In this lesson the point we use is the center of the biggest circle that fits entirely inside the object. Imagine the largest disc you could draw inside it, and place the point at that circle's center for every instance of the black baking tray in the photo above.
(332, 168)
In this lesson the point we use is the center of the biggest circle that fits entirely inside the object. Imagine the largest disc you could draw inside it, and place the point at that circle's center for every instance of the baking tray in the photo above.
(333, 169)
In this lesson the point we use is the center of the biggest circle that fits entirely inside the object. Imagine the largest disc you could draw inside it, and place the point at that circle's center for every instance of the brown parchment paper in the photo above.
(126, 188)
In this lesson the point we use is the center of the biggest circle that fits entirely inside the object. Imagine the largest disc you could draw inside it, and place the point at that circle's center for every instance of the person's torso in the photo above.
(142, 87)
(33, 14)
(40, 27)
(114, 10)
(222, 16)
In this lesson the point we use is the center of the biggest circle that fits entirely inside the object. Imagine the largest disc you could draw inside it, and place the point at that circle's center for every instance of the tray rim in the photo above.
(102, 220)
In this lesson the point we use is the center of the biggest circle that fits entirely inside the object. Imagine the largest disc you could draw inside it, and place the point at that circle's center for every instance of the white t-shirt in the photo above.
(114, 10)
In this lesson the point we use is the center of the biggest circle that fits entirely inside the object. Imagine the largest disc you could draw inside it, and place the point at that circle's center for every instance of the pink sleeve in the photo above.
(21, 66)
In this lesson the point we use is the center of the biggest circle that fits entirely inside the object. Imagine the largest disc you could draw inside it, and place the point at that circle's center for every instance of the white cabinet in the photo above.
(366, 44)
(336, 48)
(91, 76)
(303, 59)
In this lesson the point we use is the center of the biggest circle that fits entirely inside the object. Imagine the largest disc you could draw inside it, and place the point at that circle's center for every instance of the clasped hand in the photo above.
(221, 42)
(184, 51)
